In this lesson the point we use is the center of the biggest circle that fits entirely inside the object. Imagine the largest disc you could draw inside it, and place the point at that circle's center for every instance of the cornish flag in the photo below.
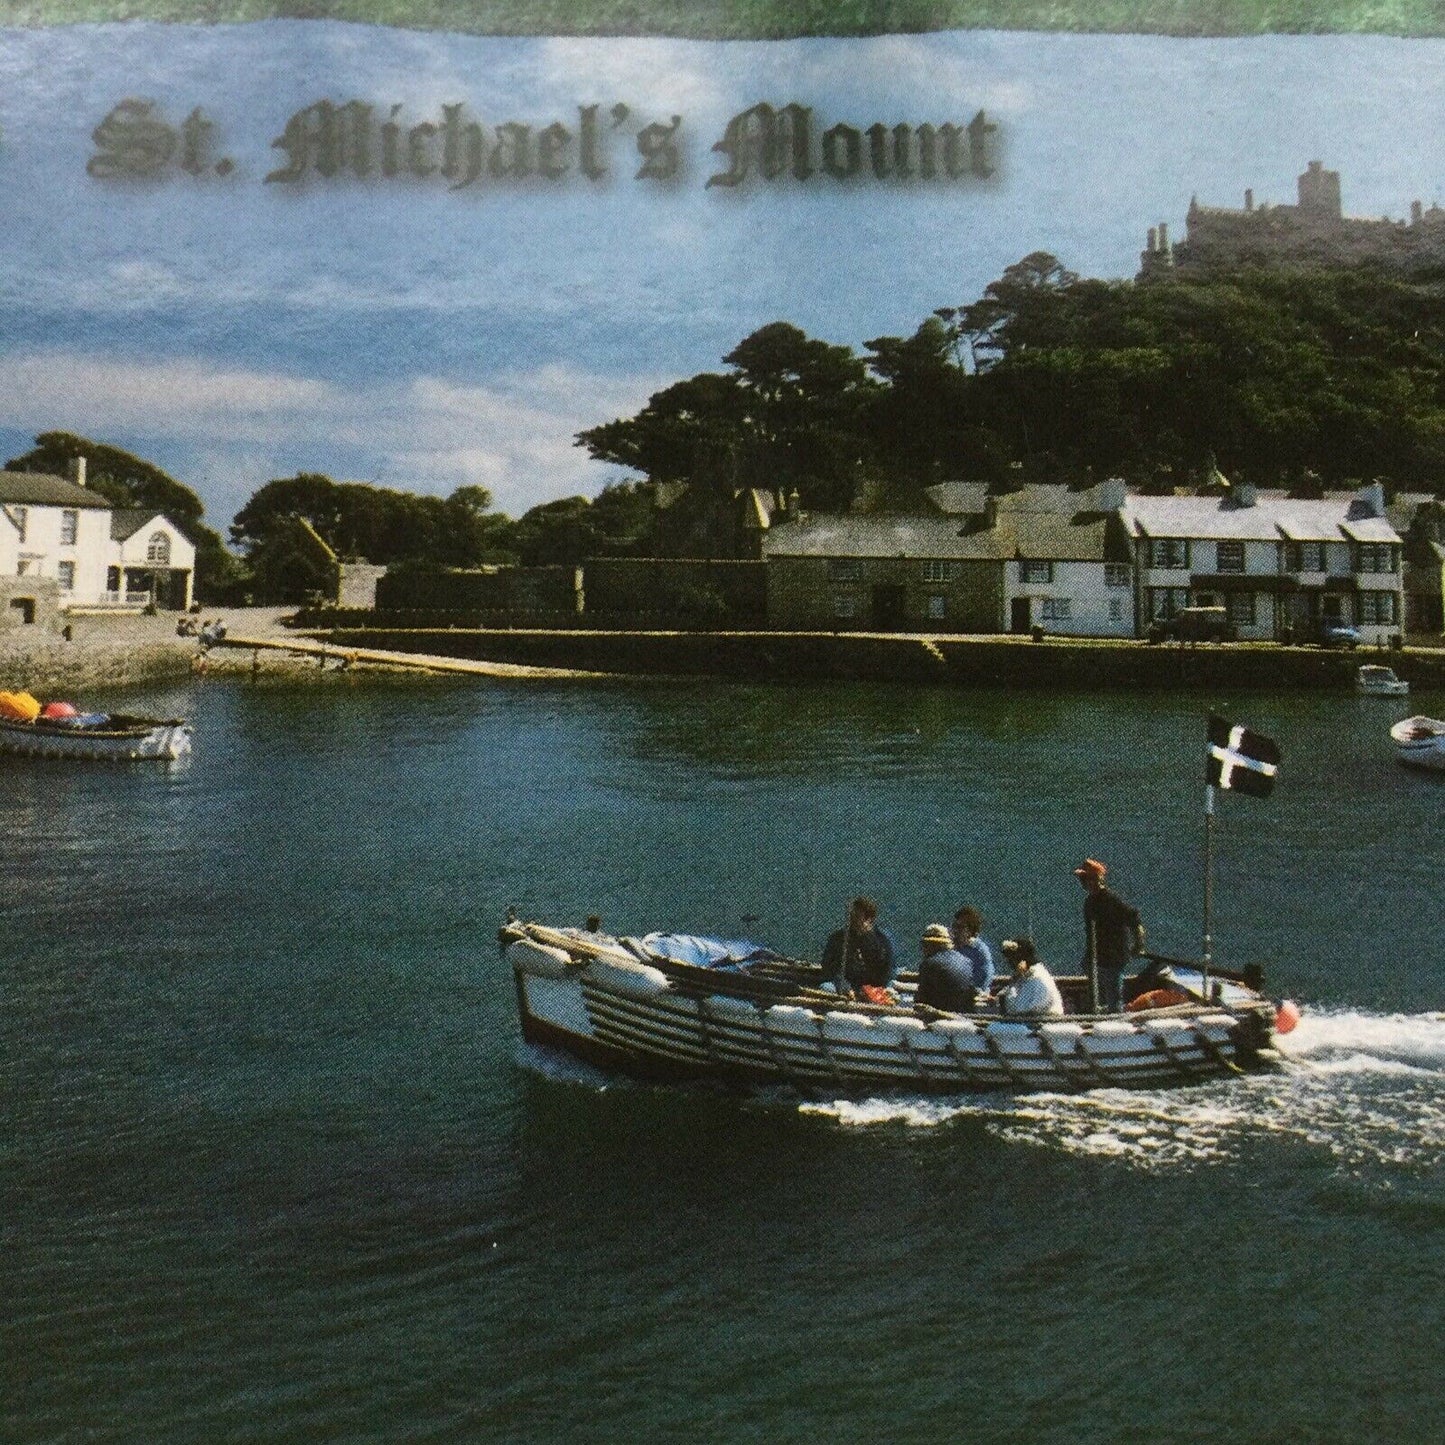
(1240, 759)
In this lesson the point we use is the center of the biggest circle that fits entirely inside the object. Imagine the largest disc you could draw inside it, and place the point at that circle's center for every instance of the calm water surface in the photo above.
(274, 1165)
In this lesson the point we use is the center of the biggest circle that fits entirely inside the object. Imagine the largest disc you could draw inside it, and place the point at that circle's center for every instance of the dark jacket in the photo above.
(1110, 925)
(869, 960)
(945, 980)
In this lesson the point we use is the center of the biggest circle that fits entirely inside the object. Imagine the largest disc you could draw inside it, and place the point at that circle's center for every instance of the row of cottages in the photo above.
(1279, 565)
(1099, 563)
(62, 540)
(1039, 556)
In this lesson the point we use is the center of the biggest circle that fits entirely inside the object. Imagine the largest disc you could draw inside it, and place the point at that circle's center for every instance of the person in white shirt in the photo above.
(1033, 990)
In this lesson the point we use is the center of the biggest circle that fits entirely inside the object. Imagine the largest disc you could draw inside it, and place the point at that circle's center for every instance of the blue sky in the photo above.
(392, 331)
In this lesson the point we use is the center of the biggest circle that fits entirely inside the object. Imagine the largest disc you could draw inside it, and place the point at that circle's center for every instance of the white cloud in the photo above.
(227, 431)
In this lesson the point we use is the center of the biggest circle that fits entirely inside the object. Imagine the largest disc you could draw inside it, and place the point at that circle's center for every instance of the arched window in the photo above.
(158, 548)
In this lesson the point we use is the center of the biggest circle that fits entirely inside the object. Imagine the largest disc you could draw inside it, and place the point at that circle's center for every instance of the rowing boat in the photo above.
(116, 738)
(677, 1006)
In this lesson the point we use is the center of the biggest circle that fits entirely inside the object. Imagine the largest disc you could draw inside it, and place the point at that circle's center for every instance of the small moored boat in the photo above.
(107, 737)
(1420, 742)
(1373, 680)
(676, 1006)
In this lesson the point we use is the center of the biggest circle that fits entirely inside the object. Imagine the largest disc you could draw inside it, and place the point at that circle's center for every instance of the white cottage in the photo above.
(98, 556)
(1280, 565)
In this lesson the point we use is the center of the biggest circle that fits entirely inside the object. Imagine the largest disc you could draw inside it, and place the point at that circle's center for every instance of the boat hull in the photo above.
(622, 1016)
(151, 742)
(1420, 743)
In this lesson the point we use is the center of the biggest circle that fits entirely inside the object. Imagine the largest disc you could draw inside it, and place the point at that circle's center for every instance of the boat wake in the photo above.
(1366, 1089)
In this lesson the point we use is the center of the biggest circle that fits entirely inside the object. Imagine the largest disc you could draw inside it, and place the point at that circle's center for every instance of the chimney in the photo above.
(77, 471)
(1249, 200)
(1153, 240)
(1370, 501)
(1243, 494)
(1163, 236)
(1415, 213)
(1112, 494)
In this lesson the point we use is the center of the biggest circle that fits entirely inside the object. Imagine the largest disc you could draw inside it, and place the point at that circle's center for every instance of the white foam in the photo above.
(1415, 1039)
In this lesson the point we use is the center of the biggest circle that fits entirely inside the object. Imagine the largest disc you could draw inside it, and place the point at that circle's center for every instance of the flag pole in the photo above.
(1208, 880)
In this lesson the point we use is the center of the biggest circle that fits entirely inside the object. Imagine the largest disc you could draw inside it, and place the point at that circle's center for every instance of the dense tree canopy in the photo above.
(1280, 376)
(788, 415)
(358, 520)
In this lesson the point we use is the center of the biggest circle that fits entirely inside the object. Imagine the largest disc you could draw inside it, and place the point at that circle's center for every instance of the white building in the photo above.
(98, 555)
(1071, 572)
(1280, 565)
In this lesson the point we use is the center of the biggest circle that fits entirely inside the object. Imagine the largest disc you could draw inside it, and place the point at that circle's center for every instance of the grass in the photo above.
(774, 19)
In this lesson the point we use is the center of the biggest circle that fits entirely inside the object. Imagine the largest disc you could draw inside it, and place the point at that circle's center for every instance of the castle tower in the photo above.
(1319, 192)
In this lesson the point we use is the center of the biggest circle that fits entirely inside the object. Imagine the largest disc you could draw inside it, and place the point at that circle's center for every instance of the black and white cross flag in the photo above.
(1240, 759)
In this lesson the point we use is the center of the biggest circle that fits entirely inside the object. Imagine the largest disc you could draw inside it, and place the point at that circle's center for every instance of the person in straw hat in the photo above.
(945, 976)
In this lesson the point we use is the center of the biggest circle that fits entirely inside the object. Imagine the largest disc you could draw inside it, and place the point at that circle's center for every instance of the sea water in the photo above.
(275, 1166)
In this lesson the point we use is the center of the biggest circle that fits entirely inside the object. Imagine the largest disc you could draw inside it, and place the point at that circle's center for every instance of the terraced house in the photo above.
(1037, 557)
(1282, 566)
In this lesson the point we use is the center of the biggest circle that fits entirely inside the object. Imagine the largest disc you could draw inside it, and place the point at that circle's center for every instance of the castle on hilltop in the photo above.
(1310, 235)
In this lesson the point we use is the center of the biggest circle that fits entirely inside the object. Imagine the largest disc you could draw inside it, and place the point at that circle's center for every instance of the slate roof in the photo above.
(958, 498)
(1046, 536)
(127, 521)
(41, 489)
(1271, 519)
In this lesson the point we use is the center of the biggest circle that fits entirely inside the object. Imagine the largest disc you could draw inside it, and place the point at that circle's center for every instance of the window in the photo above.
(158, 548)
(1030, 571)
(845, 569)
(844, 605)
(22, 519)
(1378, 608)
(1307, 557)
(65, 575)
(1116, 609)
(934, 571)
(1229, 557)
(1169, 552)
(937, 608)
(1241, 609)
(22, 567)
(1164, 602)
(1057, 609)
(1117, 574)
(1374, 557)
(69, 525)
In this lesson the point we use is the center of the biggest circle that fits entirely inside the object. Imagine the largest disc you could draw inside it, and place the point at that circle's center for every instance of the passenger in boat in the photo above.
(946, 974)
(1033, 990)
(859, 953)
(966, 925)
(1113, 931)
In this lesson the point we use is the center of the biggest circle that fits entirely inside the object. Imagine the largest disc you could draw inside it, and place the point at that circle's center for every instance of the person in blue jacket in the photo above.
(860, 952)
(967, 923)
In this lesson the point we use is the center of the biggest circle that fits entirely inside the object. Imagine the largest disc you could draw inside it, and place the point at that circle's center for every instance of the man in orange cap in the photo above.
(1112, 931)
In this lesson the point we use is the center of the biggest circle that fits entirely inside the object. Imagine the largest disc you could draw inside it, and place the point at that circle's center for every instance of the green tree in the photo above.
(791, 413)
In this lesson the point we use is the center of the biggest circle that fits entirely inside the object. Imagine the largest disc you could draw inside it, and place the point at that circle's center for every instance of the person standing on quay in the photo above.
(1113, 931)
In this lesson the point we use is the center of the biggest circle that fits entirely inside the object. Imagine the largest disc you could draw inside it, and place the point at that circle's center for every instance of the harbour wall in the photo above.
(1051, 663)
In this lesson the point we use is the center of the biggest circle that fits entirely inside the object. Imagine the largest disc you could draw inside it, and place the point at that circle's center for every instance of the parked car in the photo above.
(1195, 624)
(1335, 633)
